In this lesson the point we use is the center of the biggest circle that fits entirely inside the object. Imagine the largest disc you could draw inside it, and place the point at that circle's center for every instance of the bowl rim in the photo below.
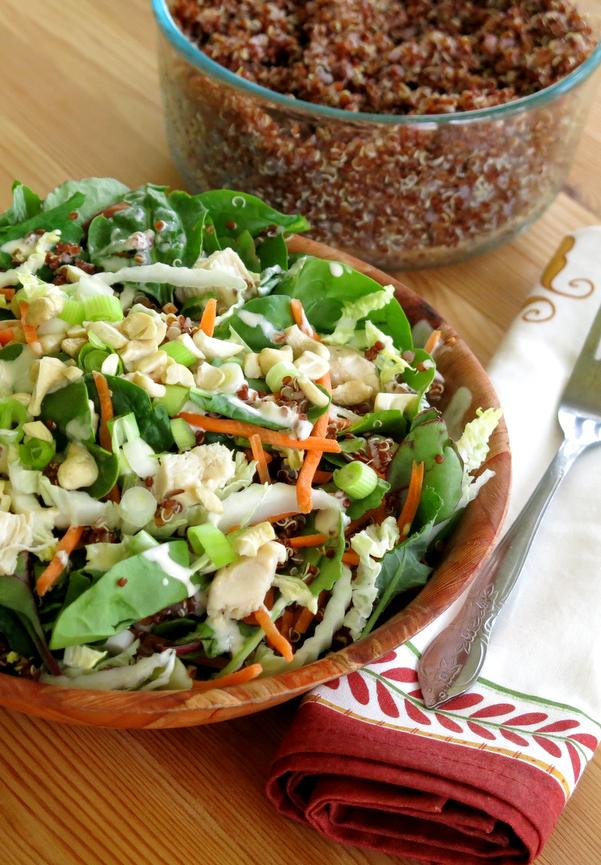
(203, 62)
(160, 709)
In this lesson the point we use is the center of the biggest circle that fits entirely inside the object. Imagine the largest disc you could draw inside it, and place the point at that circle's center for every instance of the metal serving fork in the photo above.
(452, 661)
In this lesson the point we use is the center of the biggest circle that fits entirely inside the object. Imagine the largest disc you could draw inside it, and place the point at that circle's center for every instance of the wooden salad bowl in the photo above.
(469, 545)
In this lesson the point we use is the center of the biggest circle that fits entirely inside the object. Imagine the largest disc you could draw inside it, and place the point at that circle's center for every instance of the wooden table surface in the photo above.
(80, 97)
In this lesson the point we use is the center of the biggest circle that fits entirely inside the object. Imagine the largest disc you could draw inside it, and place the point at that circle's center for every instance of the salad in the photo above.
(217, 460)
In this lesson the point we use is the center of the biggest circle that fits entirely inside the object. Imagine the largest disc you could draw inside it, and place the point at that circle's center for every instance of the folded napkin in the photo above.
(484, 778)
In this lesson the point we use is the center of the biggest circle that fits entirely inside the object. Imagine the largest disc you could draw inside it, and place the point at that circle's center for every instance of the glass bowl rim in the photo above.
(203, 62)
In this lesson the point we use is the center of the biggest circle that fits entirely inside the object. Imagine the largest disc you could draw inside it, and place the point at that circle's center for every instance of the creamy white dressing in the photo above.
(160, 555)
(227, 634)
(336, 269)
(254, 319)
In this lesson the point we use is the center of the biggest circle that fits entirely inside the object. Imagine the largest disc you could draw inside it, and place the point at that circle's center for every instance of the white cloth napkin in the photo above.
(547, 641)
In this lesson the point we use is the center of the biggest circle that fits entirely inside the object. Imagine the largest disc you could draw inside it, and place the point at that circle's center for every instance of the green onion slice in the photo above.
(102, 307)
(179, 353)
(73, 312)
(209, 540)
(278, 373)
(357, 480)
(13, 415)
(36, 453)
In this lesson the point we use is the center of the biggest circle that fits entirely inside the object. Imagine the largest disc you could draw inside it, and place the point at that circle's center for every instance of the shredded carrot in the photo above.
(272, 635)
(302, 541)
(209, 314)
(285, 622)
(7, 335)
(267, 436)
(106, 410)
(29, 330)
(249, 455)
(65, 547)
(304, 620)
(300, 319)
(8, 293)
(240, 677)
(258, 453)
(411, 505)
(304, 483)
(433, 341)
(350, 558)
(321, 477)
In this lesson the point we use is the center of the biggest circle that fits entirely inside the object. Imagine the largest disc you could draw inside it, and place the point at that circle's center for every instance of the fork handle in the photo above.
(452, 661)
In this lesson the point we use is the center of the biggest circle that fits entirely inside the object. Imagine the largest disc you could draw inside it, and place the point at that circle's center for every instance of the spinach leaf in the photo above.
(175, 222)
(16, 595)
(357, 508)
(420, 380)
(391, 320)
(25, 205)
(323, 293)
(12, 351)
(429, 442)
(69, 409)
(234, 212)
(108, 471)
(15, 634)
(153, 420)
(99, 192)
(226, 407)
(402, 569)
(244, 245)
(48, 220)
(129, 591)
(272, 252)
(274, 308)
(385, 423)
(5, 314)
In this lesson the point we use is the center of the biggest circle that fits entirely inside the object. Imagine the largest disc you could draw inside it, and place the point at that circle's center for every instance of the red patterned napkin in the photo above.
(483, 778)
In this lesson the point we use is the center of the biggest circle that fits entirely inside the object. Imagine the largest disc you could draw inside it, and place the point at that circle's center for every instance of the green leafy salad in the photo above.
(217, 460)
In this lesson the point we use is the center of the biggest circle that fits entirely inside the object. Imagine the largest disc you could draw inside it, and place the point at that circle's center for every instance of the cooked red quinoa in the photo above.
(386, 56)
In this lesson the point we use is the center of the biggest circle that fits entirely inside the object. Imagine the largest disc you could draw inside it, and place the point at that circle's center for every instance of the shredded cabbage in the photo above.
(473, 444)
(370, 544)
(355, 310)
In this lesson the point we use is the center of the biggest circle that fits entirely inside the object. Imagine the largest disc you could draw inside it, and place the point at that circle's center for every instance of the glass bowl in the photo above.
(400, 191)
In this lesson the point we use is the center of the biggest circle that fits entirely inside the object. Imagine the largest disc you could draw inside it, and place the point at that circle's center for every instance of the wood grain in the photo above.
(80, 97)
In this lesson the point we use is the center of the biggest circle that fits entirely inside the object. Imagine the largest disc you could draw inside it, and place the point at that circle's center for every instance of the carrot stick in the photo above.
(432, 341)
(209, 314)
(302, 541)
(350, 558)
(304, 482)
(7, 335)
(300, 319)
(258, 453)
(304, 620)
(106, 410)
(57, 565)
(411, 505)
(240, 677)
(29, 330)
(8, 293)
(267, 436)
(286, 622)
(321, 477)
(272, 635)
